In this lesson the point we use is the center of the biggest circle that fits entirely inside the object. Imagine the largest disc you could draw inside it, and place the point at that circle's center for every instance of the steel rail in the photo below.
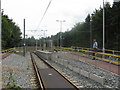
(55, 70)
(37, 73)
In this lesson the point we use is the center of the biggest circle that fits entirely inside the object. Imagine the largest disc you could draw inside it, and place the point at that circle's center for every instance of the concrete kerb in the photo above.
(85, 73)
(90, 75)
(62, 62)
(65, 63)
(97, 78)
(70, 67)
(76, 69)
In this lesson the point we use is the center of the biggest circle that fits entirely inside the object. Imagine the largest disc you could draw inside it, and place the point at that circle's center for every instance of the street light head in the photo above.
(60, 21)
(57, 20)
(64, 21)
(43, 30)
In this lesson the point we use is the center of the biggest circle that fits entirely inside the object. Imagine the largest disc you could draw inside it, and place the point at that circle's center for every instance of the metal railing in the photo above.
(88, 52)
(7, 50)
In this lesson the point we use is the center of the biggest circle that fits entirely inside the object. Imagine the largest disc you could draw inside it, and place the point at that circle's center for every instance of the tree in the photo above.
(79, 35)
(11, 35)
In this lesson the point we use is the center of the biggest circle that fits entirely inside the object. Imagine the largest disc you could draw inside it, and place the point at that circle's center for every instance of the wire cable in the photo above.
(44, 14)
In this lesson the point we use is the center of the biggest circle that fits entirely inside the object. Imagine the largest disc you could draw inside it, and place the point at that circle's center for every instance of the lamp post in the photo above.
(0, 41)
(40, 40)
(26, 42)
(0, 46)
(36, 44)
(44, 45)
(61, 21)
(91, 32)
(36, 39)
(24, 38)
(103, 28)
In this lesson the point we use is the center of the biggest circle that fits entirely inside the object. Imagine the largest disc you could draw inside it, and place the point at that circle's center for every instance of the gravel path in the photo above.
(20, 68)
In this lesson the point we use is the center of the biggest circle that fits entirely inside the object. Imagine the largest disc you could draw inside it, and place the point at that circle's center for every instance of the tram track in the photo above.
(37, 74)
(81, 81)
(44, 83)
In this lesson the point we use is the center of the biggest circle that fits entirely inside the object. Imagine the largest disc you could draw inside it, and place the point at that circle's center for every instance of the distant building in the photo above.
(116, 0)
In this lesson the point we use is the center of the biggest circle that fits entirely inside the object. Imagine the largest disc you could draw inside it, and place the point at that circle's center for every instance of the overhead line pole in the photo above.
(91, 32)
(36, 44)
(0, 27)
(61, 21)
(0, 49)
(44, 44)
(24, 38)
(60, 34)
(103, 28)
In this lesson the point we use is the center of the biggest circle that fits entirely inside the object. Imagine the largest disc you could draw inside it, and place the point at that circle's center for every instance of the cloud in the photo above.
(72, 11)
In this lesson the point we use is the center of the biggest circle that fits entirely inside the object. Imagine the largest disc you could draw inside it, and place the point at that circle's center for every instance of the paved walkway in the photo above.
(4, 55)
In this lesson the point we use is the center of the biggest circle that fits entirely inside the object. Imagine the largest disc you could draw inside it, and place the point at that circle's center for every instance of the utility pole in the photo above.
(0, 27)
(44, 44)
(24, 38)
(36, 44)
(90, 31)
(40, 40)
(26, 43)
(61, 21)
(0, 49)
(103, 28)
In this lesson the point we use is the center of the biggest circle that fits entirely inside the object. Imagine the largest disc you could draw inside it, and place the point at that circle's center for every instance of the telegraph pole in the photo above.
(103, 27)
(44, 44)
(0, 49)
(24, 38)
(90, 31)
(36, 44)
(0, 27)
(61, 21)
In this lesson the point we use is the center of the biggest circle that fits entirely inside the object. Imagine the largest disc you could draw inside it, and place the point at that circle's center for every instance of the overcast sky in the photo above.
(72, 11)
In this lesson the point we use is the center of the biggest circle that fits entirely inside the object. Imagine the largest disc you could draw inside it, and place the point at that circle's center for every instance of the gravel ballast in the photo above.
(20, 68)
(111, 80)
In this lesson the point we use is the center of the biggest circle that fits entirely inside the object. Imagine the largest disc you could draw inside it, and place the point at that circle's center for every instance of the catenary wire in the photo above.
(44, 14)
